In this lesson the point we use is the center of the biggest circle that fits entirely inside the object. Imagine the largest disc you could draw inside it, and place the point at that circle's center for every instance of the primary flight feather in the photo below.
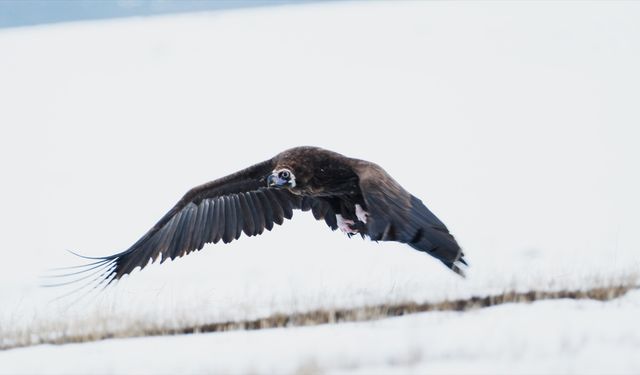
(353, 195)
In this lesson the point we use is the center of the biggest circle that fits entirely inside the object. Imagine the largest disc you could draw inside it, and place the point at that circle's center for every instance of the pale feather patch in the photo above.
(361, 214)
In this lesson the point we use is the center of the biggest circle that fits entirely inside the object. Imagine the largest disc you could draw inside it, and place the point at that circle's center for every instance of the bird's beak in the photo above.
(274, 180)
(271, 180)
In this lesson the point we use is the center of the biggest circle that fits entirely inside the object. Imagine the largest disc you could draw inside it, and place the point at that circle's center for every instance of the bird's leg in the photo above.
(361, 214)
(345, 225)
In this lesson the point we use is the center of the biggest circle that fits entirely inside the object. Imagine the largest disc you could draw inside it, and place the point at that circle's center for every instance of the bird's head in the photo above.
(282, 177)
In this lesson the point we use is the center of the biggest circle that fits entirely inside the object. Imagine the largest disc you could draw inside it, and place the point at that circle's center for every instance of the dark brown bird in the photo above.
(353, 195)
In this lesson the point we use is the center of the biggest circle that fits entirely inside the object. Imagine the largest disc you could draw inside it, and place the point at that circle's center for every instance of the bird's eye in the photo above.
(284, 175)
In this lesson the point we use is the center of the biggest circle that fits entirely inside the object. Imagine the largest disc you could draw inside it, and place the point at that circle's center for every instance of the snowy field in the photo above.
(546, 337)
(517, 124)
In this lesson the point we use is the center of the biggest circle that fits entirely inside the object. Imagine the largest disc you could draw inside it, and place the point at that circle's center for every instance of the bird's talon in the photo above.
(345, 225)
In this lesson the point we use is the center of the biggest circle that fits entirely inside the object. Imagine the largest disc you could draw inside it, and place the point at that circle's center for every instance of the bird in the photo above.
(353, 195)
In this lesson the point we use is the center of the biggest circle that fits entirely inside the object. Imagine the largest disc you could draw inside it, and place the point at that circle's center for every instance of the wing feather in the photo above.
(331, 220)
(198, 227)
(256, 211)
(249, 226)
(180, 220)
(203, 226)
(181, 233)
(220, 220)
(396, 215)
(231, 221)
(218, 210)
(306, 203)
(278, 211)
(318, 209)
(267, 210)
(210, 225)
(190, 232)
(239, 215)
(167, 235)
(285, 203)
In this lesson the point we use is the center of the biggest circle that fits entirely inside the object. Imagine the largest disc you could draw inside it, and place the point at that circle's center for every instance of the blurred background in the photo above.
(515, 122)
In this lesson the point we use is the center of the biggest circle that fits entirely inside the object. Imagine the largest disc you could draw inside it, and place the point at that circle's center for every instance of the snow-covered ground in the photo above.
(564, 336)
(517, 124)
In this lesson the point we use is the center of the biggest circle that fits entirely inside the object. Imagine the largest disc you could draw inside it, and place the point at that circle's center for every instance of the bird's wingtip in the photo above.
(83, 256)
(455, 268)
(459, 265)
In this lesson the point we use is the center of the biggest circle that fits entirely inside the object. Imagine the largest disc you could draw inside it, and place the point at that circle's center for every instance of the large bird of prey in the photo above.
(353, 195)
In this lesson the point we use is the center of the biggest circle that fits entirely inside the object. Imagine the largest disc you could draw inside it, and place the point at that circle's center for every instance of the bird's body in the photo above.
(357, 196)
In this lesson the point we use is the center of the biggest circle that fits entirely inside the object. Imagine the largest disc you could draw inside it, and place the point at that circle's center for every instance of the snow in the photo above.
(563, 336)
(515, 123)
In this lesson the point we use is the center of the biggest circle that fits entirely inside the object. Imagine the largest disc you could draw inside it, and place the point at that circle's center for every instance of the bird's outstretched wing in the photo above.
(216, 211)
(321, 210)
(396, 215)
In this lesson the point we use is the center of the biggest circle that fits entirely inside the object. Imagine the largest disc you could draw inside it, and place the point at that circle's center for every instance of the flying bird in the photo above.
(355, 196)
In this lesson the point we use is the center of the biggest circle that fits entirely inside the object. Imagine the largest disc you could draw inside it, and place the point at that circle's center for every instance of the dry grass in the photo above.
(327, 316)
